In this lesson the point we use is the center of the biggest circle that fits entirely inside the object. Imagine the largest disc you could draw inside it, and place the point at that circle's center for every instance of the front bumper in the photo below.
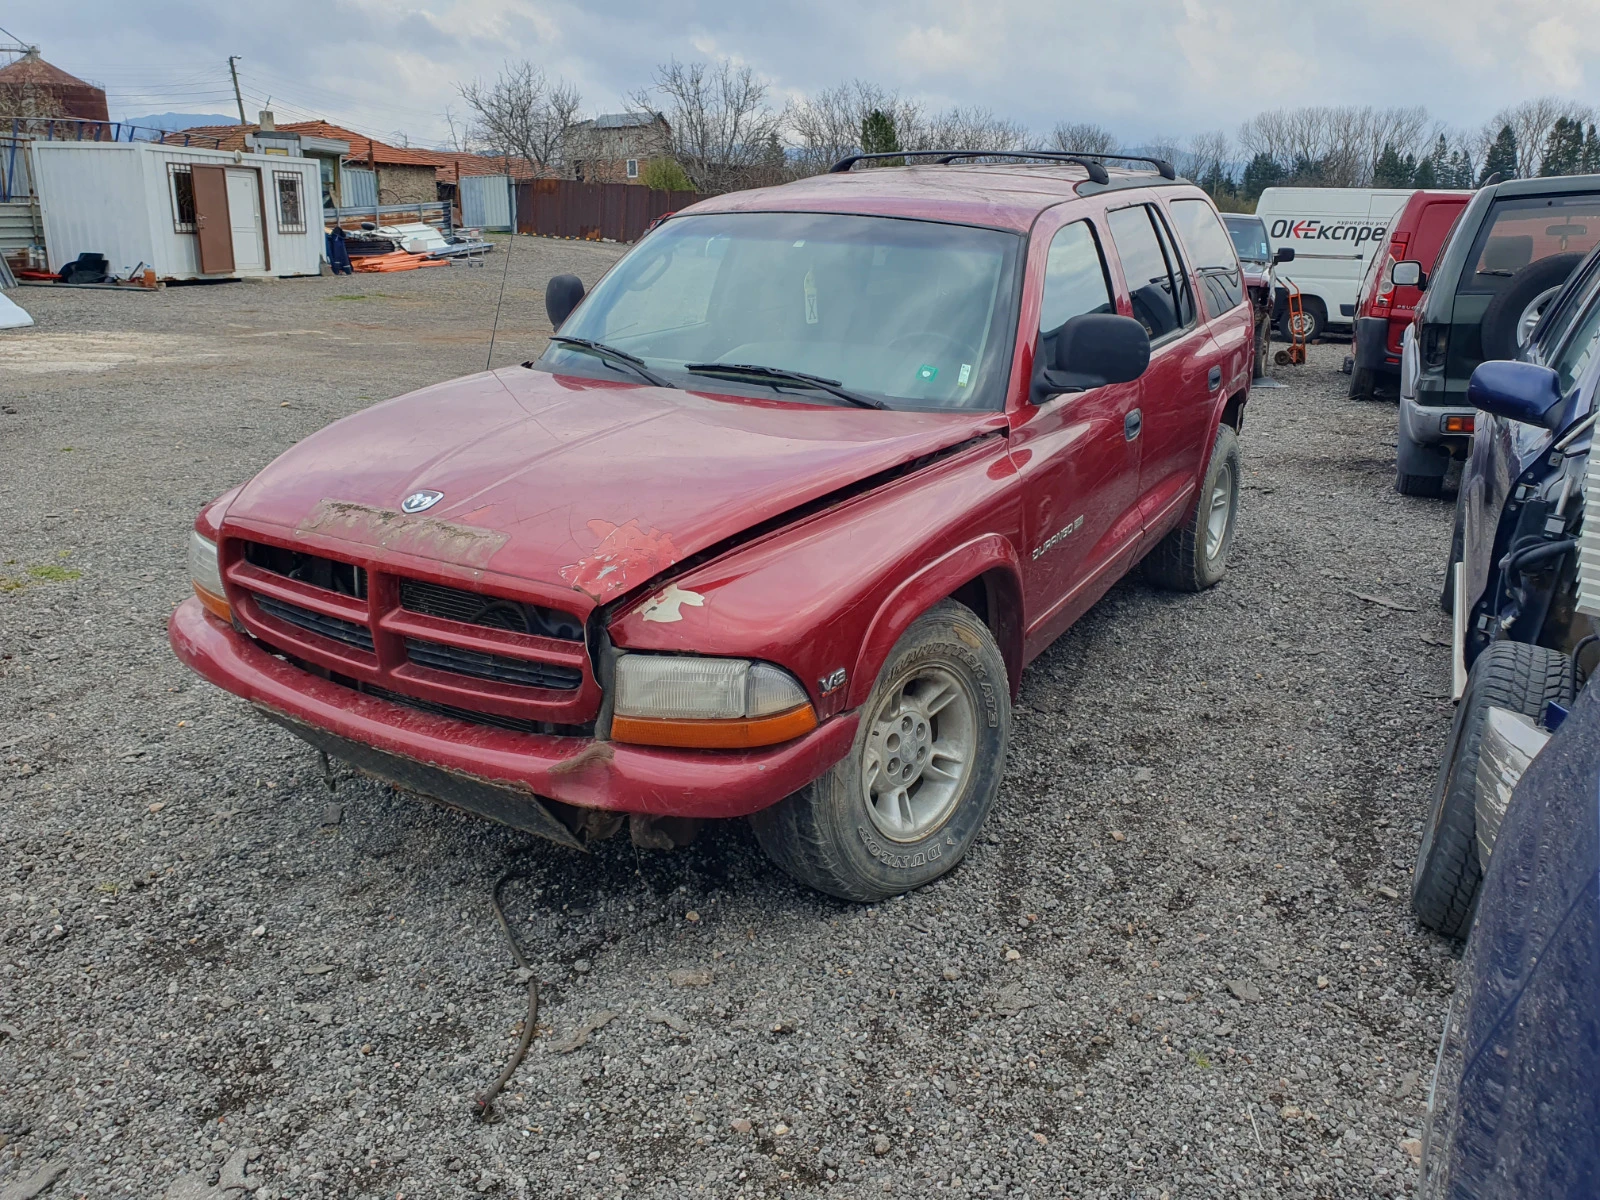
(1372, 347)
(493, 772)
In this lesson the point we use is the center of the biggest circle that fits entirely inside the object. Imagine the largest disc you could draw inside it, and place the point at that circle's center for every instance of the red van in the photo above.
(1383, 310)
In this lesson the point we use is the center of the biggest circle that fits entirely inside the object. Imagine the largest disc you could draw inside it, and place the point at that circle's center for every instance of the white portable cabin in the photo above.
(185, 212)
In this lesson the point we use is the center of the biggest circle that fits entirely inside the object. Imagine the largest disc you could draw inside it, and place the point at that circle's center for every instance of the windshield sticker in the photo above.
(811, 299)
(966, 374)
(927, 372)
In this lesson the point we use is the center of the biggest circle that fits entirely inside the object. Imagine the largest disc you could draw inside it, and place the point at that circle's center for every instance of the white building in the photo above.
(185, 212)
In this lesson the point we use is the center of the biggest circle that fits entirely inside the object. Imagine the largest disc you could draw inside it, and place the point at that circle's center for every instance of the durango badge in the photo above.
(418, 501)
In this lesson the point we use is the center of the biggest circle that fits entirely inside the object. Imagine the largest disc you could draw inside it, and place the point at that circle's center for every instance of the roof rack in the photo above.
(1162, 166)
(1096, 172)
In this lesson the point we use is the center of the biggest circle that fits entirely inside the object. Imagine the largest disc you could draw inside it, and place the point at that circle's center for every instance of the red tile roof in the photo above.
(362, 148)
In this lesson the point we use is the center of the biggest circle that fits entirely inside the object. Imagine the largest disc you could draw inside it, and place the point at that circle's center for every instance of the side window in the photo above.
(1160, 296)
(1180, 274)
(1075, 282)
(1211, 250)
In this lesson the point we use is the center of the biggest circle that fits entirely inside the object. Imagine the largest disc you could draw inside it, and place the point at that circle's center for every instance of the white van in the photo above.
(1334, 233)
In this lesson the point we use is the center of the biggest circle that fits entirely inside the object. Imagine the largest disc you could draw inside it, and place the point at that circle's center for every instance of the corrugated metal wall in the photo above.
(618, 212)
(20, 225)
(486, 201)
(358, 187)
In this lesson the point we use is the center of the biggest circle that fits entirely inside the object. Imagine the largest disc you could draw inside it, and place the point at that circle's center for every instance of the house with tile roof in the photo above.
(614, 147)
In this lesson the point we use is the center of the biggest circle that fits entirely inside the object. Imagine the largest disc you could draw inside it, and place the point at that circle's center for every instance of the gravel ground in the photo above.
(1181, 965)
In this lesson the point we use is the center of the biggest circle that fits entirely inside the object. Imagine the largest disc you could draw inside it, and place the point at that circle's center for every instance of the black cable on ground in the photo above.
(485, 1101)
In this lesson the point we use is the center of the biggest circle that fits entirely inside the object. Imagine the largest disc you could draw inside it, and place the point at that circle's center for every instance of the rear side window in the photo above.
(1157, 286)
(1075, 282)
(1523, 231)
(1211, 251)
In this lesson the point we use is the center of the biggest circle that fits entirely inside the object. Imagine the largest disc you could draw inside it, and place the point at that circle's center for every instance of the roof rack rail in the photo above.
(1163, 167)
(1097, 173)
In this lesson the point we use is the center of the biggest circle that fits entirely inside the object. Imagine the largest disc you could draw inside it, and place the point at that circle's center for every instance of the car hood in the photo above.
(594, 485)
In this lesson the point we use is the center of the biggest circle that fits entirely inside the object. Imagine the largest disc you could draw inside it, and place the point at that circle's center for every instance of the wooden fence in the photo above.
(618, 212)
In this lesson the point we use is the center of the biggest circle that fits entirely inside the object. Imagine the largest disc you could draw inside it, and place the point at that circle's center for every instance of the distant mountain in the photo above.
(172, 120)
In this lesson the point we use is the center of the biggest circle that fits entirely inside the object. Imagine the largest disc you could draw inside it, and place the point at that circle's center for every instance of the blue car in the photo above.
(1520, 640)
(1515, 1108)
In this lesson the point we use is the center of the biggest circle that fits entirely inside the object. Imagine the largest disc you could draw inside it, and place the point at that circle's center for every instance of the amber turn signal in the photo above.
(737, 734)
(1459, 424)
(215, 605)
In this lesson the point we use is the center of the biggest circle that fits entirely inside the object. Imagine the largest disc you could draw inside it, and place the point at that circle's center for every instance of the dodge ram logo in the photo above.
(418, 501)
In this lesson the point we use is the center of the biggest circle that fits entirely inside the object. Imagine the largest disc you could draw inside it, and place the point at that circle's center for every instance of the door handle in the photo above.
(1214, 379)
(1131, 424)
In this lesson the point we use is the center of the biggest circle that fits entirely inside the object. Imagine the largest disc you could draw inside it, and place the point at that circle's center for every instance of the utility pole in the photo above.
(238, 99)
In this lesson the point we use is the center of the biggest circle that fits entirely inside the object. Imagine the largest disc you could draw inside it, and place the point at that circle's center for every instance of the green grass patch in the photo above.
(350, 296)
(1200, 1060)
(54, 574)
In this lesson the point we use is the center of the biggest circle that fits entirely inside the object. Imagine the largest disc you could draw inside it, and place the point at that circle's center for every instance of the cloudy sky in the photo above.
(1148, 69)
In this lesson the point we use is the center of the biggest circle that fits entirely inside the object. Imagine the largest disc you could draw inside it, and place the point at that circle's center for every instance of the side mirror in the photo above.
(1094, 350)
(1284, 254)
(1407, 274)
(561, 296)
(1518, 391)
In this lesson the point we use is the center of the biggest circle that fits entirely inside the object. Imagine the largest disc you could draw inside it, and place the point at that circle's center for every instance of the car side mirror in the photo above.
(1284, 254)
(1094, 350)
(1407, 274)
(1518, 391)
(561, 296)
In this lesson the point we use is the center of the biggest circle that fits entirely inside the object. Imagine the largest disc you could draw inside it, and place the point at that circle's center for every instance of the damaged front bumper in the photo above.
(505, 776)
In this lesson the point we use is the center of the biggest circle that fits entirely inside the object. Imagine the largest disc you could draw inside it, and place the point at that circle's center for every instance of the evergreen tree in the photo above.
(879, 136)
(1425, 175)
(1563, 149)
(1590, 163)
(1262, 171)
(1502, 157)
(1460, 170)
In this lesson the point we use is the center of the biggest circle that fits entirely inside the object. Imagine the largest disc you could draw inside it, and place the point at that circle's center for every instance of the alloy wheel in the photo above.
(921, 746)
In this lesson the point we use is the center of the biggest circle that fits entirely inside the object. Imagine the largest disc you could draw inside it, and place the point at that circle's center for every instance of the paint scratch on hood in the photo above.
(666, 607)
(626, 556)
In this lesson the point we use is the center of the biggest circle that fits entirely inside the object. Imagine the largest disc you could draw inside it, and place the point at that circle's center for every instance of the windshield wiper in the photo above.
(601, 350)
(776, 376)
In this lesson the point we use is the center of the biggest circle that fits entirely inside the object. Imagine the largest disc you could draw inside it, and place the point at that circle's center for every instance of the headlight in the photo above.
(206, 576)
(707, 703)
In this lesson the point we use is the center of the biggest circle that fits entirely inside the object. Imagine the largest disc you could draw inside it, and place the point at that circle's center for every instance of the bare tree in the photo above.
(1084, 136)
(1530, 122)
(522, 114)
(1338, 147)
(827, 127)
(966, 129)
(723, 131)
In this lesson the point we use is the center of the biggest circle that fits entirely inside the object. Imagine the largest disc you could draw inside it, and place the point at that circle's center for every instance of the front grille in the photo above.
(471, 608)
(492, 666)
(347, 632)
(345, 578)
(494, 720)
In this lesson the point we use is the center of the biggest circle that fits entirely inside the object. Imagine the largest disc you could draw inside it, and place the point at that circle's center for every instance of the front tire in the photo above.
(1509, 675)
(1363, 384)
(907, 802)
(1194, 556)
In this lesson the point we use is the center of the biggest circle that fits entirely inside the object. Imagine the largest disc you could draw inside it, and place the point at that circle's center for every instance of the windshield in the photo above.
(916, 314)
(1249, 238)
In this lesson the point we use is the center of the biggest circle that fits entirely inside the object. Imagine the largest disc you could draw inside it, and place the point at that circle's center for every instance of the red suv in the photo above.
(1383, 309)
(770, 528)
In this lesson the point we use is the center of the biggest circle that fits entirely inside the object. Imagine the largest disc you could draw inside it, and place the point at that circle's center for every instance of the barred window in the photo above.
(291, 204)
(180, 186)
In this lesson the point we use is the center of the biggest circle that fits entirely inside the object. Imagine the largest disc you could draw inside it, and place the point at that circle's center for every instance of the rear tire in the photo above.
(1364, 384)
(887, 819)
(1429, 486)
(1258, 369)
(1510, 675)
(1194, 556)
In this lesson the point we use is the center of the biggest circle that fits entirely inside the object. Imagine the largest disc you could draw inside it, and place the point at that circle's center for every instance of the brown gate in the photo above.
(618, 212)
(212, 228)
